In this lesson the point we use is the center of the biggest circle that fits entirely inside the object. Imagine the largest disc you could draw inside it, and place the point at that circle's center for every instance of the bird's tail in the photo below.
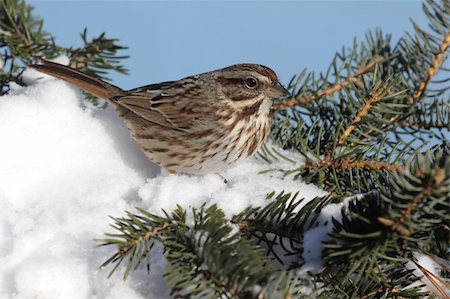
(84, 81)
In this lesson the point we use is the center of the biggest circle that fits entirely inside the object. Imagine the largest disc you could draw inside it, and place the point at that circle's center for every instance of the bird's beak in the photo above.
(277, 91)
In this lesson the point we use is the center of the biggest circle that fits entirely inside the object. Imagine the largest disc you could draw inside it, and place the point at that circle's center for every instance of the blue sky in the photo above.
(169, 40)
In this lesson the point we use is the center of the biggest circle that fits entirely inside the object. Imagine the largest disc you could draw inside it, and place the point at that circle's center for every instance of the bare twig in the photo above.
(423, 125)
(433, 68)
(302, 100)
(377, 95)
(350, 164)
(149, 234)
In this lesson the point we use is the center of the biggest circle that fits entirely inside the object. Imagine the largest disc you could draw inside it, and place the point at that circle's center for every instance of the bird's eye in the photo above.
(251, 82)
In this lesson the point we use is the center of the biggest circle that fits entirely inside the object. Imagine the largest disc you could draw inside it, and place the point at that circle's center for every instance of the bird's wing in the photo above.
(170, 105)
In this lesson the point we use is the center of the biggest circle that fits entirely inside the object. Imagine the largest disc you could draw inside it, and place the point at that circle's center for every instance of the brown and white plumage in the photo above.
(200, 124)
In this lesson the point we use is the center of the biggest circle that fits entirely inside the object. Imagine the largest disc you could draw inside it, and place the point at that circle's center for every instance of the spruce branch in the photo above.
(197, 266)
(23, 40)
(381, 92)
(151, 233)
(423, 125)
(136, 237)
(431, 182)
(432, 70)
(279, 225)
(304, 100)
(351, 129)
(347, 163)
(97, 55)
(380, 234)
(19, 27)
(409, 54)
(434, 67)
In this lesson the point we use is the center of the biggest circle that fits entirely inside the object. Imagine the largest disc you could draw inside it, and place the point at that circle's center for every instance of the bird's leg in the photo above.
(224, 179)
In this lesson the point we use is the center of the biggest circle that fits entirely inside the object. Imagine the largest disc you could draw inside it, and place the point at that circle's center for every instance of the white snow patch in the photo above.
(314, 238)
(244, 188)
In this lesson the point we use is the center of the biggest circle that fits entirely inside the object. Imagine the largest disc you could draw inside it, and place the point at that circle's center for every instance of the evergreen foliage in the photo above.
(374, 130)
(24, 41)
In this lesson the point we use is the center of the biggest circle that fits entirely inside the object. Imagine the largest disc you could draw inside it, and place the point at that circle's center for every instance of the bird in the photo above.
(201, 124)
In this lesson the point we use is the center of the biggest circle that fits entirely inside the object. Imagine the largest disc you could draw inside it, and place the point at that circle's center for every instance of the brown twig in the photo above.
(208, 276)
(420, 197)
(302, 100)
(422, 125)
(350, 164)
(152, 232)
(435, 62)
(377, 95)
(399, 224)
(432, 278)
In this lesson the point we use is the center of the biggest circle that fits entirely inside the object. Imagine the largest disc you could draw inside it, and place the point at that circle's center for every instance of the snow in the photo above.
(66, 166)
(314, 237)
